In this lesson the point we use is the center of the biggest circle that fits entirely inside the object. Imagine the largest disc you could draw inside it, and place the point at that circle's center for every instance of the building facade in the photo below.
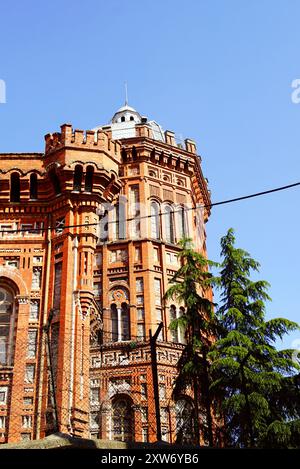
(88, 243)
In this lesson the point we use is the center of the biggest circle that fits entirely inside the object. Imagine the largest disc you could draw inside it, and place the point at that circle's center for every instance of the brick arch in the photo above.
(119, 294)
(14, 277)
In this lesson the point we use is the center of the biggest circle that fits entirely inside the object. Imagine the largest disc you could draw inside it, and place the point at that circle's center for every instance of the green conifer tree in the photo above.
(189, 287)
(255, 386)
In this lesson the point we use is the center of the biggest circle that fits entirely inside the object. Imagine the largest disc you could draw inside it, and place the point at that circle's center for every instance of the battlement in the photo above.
(89, 139)
(144, 130)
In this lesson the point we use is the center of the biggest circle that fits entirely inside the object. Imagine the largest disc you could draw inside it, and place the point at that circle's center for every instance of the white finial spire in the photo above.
(126, 94)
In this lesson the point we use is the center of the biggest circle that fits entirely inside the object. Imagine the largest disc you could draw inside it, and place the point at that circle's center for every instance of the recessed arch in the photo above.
(89, 179)
(155, 219)
(33, 189)
(15, 187)
(77, 181)
(122, 421)
(185, 421)
(8, 319)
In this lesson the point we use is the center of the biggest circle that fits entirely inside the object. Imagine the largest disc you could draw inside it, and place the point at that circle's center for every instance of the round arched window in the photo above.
(185, 421)
(7, 320)
(122, 417)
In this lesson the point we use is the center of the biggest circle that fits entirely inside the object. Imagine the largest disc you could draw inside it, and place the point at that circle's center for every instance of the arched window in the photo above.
(123, 119)
(122, 420)
(77, 178)
(116, 222)
(55, 181)
(181, 329)
(89, 179)
(185, 421)
(114, 323)
(123, 156)
(15, 187)
(134, 154)
(155, 221)
(120, 322)
(33, 187)
(131, 118)
(169, 224)
(173, 316)
(181, 216)
(7, 323)
(125, 322)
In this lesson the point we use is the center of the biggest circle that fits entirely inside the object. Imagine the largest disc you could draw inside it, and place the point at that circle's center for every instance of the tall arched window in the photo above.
(116, 222)
(174, 332)
(114, 322)
(185, 421)
(181, 329)
(125, 322)
(181, 217)
(7, 323)
(155, 221)
(134, 154)
(33, 187)
(89, 179)
(55, 181)
(122, 420)
(169, 224)
(15, 187)
(120, 322)
(77, 178)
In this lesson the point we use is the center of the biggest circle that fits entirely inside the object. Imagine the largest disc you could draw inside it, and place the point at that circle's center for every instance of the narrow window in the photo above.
(57, 285)
(32, 343)
(114, 323)
(169, 224)
(181, 222)
(125, 322)
(77, 178)
(55, 181)
(89, 176)
(155, 223)
(15, 187)
(174, 332)
(134, 154)
(33, 187)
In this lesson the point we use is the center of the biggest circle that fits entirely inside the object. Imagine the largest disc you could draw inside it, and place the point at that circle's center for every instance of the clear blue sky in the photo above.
(216, 71)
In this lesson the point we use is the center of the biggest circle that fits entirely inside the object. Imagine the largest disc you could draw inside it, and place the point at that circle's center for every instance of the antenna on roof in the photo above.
(126, 94)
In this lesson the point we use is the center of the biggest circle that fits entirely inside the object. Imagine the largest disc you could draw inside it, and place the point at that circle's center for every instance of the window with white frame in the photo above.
(26, 421)
(155, 220)
(32, 343)
(7, 320)
(134, 201)
(36, 278)
(94, 395)
(29, 373)
(182, 225)
(3, 395)
(169, 224)
(34, 310)
(120, 322)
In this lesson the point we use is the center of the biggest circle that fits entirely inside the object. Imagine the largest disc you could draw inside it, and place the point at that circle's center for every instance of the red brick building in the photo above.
(88, 243)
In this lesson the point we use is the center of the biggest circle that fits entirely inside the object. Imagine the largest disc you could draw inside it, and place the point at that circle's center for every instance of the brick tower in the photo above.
(89, 233)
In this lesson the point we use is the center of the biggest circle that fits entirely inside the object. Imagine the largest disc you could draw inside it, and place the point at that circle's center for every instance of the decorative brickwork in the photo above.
(85, 259)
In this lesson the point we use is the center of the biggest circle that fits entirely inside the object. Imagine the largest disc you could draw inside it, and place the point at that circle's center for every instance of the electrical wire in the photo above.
(138, 217)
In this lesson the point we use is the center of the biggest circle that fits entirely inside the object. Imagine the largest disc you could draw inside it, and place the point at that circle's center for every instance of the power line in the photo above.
(138, 217)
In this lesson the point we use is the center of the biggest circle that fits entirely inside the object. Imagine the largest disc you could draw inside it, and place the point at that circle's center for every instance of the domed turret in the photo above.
(126, 114)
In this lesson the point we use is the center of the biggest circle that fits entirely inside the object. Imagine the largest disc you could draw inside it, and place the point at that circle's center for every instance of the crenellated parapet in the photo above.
(84, 140)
